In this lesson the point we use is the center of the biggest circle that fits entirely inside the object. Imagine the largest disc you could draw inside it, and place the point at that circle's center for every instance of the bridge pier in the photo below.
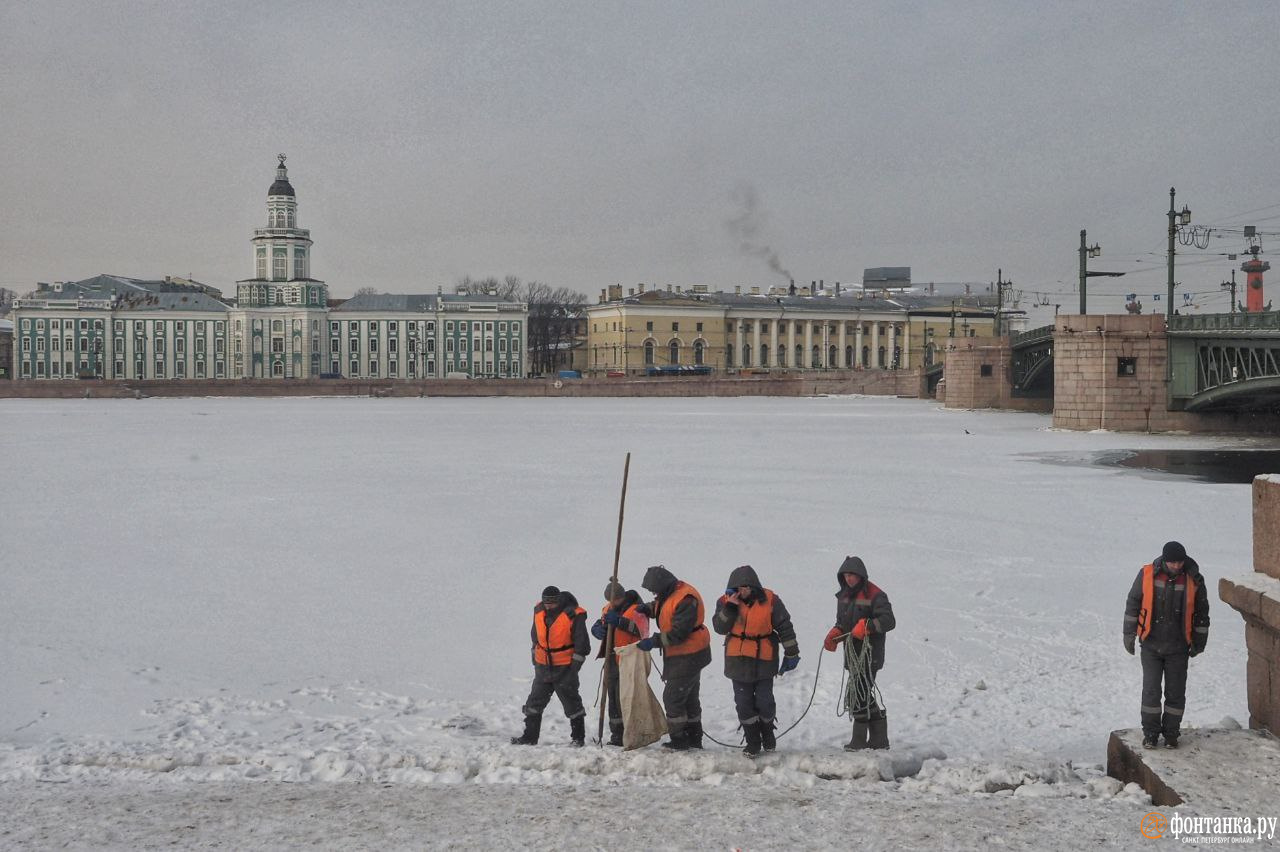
(1111, 371)
(980, 375)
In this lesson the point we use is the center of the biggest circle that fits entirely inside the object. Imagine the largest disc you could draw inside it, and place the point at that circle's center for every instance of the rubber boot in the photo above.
(859, 740)
(578, 730)
(878, 733)
(752, 731)
(767, 738)
(678, 740)
(615, 733)
(532, 726)
(693, 734)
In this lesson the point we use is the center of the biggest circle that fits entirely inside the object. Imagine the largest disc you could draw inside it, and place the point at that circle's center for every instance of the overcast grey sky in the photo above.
(596, 143)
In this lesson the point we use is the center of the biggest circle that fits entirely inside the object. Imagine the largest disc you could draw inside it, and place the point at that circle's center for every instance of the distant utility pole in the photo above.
(1231, 285)
(1086, 251)
(1001, 287)
(1175, 219)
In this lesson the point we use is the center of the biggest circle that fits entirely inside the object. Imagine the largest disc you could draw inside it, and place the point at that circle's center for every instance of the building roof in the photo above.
(416, 303)
(132, 293)
(853, 301)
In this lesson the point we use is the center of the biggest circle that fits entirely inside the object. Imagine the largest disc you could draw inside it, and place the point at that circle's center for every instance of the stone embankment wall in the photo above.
(1257, 598)
(905, 383)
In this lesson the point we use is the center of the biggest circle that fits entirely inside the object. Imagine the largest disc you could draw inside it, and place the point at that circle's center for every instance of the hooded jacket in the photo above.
(632, 625)
(567, 605)
(684, 624)
(1168, 610)
(760, 660)
(866, 600)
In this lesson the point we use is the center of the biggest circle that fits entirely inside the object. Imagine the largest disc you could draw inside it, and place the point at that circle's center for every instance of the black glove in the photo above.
(1128, 642)
(598, 630)
(1196, 651)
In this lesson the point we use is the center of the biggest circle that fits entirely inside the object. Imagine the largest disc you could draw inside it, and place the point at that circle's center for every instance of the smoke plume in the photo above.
(746, 228)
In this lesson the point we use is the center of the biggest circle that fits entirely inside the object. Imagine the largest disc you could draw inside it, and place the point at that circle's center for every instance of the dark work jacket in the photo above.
(625, 625)
(581, 642)
(751, 669)
(878, 611)
(684, 621)
(1169, 601)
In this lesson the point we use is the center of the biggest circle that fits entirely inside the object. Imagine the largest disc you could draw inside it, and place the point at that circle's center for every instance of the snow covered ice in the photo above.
(202, 598)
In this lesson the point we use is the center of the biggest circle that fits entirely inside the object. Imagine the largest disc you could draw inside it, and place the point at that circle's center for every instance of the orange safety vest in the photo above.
(555, 643)
(699, 638)
(622, 638)
(754, 625)
(1148, 602)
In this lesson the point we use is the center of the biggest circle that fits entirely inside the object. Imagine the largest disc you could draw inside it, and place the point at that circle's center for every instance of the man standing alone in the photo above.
(1168, 609)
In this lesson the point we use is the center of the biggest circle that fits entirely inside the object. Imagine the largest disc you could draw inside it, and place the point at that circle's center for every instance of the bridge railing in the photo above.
(1030, 336)
(1191, 323)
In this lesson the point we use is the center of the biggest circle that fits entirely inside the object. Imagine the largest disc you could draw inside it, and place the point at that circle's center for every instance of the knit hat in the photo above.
(1173, 552)
(550, 596)
(613, 590)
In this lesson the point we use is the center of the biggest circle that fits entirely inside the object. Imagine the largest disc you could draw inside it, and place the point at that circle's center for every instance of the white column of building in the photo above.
(893, 342)
(773, 344)
(791, 343)
(857, 345)
(737, 343)
(755, 343)
(906, 345)
(807, 360)
(875, 345)
(840, 354)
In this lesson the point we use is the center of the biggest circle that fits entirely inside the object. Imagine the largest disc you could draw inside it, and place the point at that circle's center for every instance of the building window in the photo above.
(353, 345)
(1126, 366)
(334, 345)
(277, 326)
(515, 328)
(431, 344)
(373, 345)
(333, 328)
(355, 368)
(180, 370)
(648, 326)
(391, 345)
(431, 328)
(393, 328)
(159, 369)
(39, 369)
(118, 372)
(673, 351)
(373, 368)
(431, 368)
(648, 353)
(277, 369)
(502, 344)
(199, 369)
(219, 369)
(488, 327)
(54, 371)
(699, 328)
(985, 371)
(373, 327)
(277, 345)
(392, 368)
(698, 352)
(279, 264)
(200, 327)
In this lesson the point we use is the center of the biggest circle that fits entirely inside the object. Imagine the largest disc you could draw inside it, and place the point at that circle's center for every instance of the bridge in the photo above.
(1225, 362)
(1032, 362)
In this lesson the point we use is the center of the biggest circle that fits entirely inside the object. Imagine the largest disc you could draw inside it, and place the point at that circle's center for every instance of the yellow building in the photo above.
(775, 330)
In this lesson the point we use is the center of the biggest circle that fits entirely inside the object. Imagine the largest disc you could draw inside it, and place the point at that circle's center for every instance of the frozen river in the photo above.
(231, 559)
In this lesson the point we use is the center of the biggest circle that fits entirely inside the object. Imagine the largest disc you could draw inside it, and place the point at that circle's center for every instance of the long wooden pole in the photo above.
(608, 640)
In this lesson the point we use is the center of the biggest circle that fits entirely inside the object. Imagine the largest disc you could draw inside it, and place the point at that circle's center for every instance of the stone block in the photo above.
(1266, 526)
(1263, 641)
(1269, 612)
(1242, 598)
(1258, 674)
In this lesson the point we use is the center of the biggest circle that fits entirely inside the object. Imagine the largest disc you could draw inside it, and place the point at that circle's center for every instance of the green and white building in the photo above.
(278, 327)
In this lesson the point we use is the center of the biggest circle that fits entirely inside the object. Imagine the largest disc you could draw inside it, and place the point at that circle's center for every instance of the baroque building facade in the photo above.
(279, 326)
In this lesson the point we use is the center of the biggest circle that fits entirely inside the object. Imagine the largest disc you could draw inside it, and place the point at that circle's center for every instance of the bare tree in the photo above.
(553, 315)
(6, 300)
(367, 291)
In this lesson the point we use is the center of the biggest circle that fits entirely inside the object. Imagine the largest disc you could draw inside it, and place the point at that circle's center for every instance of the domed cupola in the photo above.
(282, 185)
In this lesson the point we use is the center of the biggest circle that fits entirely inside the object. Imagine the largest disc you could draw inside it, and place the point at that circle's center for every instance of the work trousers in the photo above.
(681, 704)
(754, 701)
(613, 696)
(869, 710)
(1172, 669)
(564, 686)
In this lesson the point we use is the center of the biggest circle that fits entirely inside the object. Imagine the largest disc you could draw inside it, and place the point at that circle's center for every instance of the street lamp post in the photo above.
(1176, 220)
(1231, 285)
(1086, 251)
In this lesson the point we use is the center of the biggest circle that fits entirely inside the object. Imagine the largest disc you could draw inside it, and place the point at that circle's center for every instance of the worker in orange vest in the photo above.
(622, 612)
(560, 645)
(1168, 609)
(685, 643)
(754, 622)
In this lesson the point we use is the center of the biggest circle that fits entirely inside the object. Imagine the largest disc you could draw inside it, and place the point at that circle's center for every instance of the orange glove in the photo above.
(860, 629)
(833, 638)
